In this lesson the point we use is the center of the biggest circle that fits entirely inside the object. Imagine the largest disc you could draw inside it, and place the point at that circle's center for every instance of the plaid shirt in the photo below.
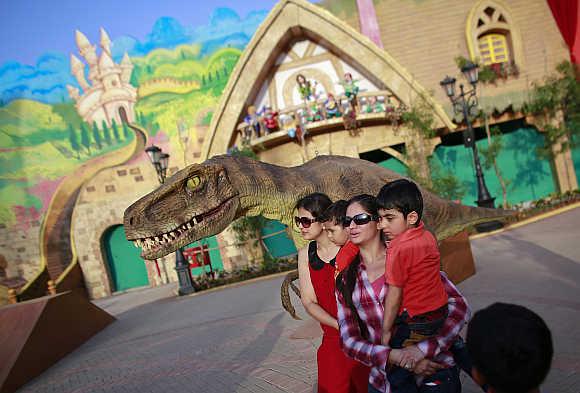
(370, 309)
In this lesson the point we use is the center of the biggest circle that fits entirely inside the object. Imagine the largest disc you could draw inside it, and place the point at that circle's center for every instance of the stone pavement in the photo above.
(239, 339)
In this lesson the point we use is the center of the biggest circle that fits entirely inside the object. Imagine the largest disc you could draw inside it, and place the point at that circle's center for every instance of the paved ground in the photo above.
(239, 340)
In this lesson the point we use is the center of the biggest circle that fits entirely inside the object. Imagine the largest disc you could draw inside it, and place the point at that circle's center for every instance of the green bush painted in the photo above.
(529, 178)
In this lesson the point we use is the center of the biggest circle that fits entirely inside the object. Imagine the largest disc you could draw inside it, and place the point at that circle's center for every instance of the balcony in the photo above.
(294, 124)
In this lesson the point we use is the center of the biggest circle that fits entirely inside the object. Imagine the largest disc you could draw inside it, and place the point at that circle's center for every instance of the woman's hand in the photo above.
(426, 367)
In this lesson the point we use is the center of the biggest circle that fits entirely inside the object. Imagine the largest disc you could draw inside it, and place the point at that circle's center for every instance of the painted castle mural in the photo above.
(74, 123)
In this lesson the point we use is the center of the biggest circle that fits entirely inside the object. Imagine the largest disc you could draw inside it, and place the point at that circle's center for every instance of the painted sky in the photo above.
(38, 36)
(30, 28)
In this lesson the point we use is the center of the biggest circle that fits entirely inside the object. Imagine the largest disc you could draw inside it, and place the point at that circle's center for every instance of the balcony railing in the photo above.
(314, 117)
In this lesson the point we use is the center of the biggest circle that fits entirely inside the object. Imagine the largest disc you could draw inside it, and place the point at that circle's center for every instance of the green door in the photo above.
(126, 267)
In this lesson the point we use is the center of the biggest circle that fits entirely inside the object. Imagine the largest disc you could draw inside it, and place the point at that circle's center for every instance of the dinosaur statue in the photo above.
(203, 199)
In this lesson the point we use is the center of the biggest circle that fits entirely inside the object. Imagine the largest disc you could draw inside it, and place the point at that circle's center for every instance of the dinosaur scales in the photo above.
(203, 199)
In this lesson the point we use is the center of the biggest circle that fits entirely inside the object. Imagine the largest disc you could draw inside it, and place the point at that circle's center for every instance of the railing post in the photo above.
(12, 298)
(51, 287)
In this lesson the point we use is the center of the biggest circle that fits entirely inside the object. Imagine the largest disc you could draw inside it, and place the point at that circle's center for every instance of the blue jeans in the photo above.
(443, 381)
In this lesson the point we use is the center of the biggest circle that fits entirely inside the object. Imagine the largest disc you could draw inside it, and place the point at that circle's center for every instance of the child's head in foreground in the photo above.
(511, 348)
(400, 207)
(333, 219)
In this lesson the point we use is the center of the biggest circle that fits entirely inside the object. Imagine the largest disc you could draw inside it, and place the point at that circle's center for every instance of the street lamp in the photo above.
(464, 103)
(160, 161)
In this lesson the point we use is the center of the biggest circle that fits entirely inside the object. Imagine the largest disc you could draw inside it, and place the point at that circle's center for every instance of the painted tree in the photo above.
(107, 134)
(126, 131)
(203, 80)
(97, 136)
(115, 129)
(490, 154)
(73, 138)
(85, 137)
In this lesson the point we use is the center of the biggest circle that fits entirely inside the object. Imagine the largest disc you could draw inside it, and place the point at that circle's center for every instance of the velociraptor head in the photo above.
(196, 202)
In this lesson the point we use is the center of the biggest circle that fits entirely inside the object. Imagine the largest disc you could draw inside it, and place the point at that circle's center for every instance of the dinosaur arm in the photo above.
(307, 294)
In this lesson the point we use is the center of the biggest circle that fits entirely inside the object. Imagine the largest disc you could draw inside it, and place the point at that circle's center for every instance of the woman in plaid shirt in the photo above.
(360, 291)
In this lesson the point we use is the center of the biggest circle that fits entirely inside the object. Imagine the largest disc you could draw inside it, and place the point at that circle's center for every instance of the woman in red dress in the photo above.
(336, 372)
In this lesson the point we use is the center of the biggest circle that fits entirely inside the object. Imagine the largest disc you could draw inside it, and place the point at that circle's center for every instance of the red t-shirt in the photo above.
(346, 255)
(413, 263)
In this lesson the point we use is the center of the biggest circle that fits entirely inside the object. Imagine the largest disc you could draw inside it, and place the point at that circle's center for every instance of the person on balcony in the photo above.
(304, 88)
(350, 87)
(270, 119)
(331, 106)
(253, 121)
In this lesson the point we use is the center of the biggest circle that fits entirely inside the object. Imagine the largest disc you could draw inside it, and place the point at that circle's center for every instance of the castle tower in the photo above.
(109, 97)
(127, 68)
(105, 42)
(78, 70)
(89, 53)
(109, 72)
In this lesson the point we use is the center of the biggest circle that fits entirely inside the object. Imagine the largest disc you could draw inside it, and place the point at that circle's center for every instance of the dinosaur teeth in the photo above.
(189, 226)
(166, 237)
(194, 220)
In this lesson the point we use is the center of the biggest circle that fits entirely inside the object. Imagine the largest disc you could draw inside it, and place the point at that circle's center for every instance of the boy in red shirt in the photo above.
(416, 303)
(332, 222)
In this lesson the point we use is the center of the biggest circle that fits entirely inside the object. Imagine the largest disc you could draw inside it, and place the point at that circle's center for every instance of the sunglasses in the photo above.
(304, 221)
(359, 219)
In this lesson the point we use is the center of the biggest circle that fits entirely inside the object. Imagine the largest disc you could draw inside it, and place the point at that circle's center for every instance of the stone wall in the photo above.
(424, 36)
(20, 251)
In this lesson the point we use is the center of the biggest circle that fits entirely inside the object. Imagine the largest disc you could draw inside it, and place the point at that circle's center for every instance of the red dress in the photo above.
(336, 372)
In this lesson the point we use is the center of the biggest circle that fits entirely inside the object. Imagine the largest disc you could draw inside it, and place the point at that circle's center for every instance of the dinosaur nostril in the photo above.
(131, 221)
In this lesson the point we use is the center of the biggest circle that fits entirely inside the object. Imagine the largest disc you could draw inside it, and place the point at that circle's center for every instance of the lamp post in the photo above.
(160, 161)
(463, 103)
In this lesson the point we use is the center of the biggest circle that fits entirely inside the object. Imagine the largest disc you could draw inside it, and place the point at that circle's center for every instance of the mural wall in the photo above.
(63, 111)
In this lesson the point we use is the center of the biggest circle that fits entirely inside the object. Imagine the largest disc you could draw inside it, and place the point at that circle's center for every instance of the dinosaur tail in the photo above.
(453, 218)
(285, 293)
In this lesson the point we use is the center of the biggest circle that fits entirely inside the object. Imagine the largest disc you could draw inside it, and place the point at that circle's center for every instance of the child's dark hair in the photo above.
(316, 203)
(401, 195)
(335, 212)
(510, 346)
(346, 279)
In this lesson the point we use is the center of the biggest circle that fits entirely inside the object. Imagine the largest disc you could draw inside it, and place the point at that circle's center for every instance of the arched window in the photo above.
(493, 48)
(492, 37)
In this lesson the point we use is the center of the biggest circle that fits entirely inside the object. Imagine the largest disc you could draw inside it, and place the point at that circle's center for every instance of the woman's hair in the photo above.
(368, 203)
(335, 212)
(346, 279)
(315, 203)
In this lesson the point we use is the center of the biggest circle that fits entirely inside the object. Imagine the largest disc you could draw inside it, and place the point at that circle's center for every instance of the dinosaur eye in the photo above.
(193, 182)
(221, 176)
